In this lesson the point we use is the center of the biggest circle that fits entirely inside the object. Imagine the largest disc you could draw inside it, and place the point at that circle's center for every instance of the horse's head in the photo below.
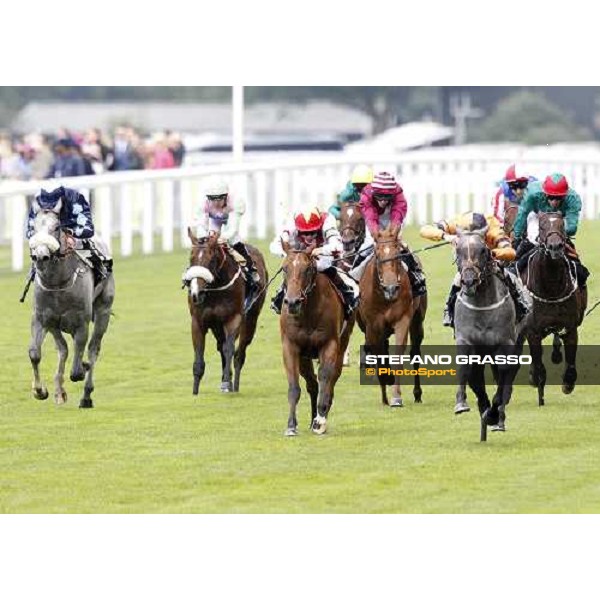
(45, 242)
(352, 226)
(511, 209)
(387, 263)
(552, 235)
(300, 273)
(206, 259)
(473, 259)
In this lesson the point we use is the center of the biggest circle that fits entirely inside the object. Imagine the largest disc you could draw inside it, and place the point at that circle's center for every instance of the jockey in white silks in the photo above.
(220, 213)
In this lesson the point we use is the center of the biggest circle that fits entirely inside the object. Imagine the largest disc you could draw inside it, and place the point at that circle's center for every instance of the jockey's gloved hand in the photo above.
(507, 253)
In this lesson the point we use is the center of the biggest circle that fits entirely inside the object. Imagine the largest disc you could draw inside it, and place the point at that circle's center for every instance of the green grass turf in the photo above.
(149, 446)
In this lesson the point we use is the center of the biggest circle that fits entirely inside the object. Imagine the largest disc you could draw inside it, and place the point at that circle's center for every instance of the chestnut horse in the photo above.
(558, 303)
(312, 326)
(387, 306)
(216, 303)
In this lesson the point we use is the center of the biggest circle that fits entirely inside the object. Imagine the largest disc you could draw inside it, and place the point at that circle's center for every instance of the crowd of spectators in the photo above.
(70, 154)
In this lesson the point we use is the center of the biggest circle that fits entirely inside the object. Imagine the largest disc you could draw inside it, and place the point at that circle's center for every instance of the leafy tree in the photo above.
(530, 118)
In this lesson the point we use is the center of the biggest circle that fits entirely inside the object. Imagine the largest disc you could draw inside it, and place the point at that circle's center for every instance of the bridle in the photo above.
(509, 207)
(359, 232)
(480, 273)
(311, 272)
(380, 261)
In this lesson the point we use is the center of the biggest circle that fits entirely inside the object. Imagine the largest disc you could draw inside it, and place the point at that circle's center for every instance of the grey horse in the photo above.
(484, 325)
(65, 301)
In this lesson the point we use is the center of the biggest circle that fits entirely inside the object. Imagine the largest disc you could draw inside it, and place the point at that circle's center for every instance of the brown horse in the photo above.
(387, 306)
(312, 326)
(511, 209)
(352, 227)
(216, 301)
(558, 303)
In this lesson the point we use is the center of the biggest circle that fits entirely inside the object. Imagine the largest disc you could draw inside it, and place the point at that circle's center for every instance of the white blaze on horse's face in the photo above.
(44, 242)
(350, 212)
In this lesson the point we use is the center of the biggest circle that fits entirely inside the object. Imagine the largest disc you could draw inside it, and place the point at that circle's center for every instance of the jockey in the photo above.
(76, 223)
(383, 204)
(512, 189)
(361, 176)
(553, 195)
(310, 227)
(221, 214)
(496, 240)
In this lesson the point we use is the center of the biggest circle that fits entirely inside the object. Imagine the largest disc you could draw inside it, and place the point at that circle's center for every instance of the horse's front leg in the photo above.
(291, 360)
(198, 340)
(376, 345)
(537, 371)
(330, 365)
(461, 405)
(570, 375)
(232, 329)
(401, 335)
(60, 394)
(80, 339)
(38, 333)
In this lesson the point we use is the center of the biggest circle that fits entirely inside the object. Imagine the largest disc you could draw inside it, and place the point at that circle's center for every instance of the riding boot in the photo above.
(252, 272)
(581, 272)
(415, 274)
(522, 307)
(523, 253)
(448, 320)
(277, 299)
(100, 270)
(350, 298)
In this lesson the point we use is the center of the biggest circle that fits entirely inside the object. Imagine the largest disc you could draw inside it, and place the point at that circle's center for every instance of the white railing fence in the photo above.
(151, 203)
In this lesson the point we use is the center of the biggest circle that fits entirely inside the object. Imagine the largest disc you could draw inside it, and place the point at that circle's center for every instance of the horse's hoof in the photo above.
(418, 400)
(499, 427)
(556, 358)
(86, 404)
(491, 417)
(79, 376)
(291, 432)
(461, 408)
(396, 403)
(60, 398)
(40, 393)
(567, 388)
(86, 365)
(319, 425)
(225, 387)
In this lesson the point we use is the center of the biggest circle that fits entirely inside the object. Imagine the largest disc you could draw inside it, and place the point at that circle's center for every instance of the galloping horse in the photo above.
(312, 326)
(387, 306)
(558, 303)
(352, 227)
(216, 303)
(65, 301)
(484, 325)
(511, 210)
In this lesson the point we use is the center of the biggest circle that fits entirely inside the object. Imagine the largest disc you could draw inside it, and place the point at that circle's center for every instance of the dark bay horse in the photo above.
(66, 301)
(387, 307)
(216, 303)
(484, 325)
(511, 209)
(312, 326)
(352, 227)
(558, 303)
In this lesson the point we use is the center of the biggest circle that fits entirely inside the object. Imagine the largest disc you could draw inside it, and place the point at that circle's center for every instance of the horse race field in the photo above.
(149, 446)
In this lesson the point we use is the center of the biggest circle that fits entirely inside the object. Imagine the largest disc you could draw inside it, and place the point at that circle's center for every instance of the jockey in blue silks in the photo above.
(76, 222)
